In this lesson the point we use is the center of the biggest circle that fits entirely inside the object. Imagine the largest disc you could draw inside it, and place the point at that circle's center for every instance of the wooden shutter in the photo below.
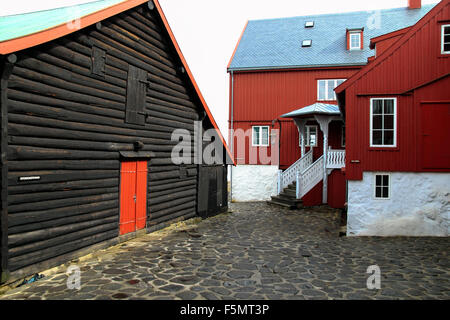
(98, 61)
(136, 92)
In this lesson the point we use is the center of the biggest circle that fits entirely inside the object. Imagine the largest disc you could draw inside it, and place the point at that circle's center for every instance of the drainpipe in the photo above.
(232, 132)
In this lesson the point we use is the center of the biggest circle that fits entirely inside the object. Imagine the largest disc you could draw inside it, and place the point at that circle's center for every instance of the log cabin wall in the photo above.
(73, 113)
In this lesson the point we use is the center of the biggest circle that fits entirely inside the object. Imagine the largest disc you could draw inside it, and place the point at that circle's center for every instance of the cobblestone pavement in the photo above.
(256, 252)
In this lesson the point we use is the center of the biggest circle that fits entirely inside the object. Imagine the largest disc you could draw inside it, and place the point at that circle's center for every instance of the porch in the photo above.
(307, 172)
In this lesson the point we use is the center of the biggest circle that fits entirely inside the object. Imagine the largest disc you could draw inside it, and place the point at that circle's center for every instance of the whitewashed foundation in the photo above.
(418, 206)
(254, 182)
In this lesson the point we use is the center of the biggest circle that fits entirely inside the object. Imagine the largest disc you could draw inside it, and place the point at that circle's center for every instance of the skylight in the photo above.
(306, 43)
(309, 24)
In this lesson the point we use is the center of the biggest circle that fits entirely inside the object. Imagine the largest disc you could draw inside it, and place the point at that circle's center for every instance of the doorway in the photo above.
(133, 196)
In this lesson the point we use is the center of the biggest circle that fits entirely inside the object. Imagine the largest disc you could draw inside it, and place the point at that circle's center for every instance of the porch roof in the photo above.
(316, 108)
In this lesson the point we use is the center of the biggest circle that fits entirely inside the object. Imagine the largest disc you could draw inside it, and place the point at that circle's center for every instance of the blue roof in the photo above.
(277, 43)
(316, 108)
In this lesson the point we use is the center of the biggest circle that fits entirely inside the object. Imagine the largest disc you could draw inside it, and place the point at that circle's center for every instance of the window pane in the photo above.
(385, 181)
(385, 192)
(388, 122)
(313, 136)
(378, 192)
(378, 181)
(389, 106)
(322, 90)
(265, 136)
(256, 135)
(447, 38)
(388, 137)
(447, 47)
(339, 82)
(377, 122)
(377, 106)
(330, 93)
(377, 137)
(447, 30)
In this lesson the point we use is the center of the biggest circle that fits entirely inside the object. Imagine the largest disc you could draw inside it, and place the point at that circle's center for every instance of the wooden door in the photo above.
(133, 196)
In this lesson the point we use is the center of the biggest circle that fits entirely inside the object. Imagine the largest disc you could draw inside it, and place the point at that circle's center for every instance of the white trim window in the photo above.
(311, 136)
(445, 39)
(382, 186)
(325, 89)
(355, 40)
(260, 136)
(383, 122)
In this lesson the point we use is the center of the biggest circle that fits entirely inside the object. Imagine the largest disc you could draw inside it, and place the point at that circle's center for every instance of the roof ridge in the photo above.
(343, 13)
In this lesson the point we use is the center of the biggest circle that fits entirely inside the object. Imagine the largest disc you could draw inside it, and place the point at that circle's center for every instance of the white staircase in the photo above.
(305, 175)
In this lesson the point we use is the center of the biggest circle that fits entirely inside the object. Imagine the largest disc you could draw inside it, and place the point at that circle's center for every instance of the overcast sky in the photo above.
(208, 30)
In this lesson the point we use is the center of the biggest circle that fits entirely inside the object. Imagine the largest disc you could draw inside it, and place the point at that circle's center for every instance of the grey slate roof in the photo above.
(277, 43)
(316, 108)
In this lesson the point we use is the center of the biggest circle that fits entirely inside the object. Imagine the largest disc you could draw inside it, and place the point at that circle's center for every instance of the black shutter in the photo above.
(136, 92)
(98, 61)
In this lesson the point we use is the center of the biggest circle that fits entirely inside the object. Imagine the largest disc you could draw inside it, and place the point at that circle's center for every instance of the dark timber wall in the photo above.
(70, 114)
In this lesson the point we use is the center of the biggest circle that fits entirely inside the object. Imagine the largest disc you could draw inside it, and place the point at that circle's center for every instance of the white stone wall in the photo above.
(254, 182)
(418, 206)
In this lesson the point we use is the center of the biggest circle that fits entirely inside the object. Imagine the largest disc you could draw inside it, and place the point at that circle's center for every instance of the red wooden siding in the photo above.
(260, 97)
(414, 72)
(133, 196)
(336, 189)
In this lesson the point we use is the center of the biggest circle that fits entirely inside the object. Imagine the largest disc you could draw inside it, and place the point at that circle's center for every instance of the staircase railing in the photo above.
(289, 175)
(335, 159)
(308, 178)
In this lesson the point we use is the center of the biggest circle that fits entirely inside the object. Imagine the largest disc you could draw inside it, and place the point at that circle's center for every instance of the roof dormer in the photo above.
(355, 39)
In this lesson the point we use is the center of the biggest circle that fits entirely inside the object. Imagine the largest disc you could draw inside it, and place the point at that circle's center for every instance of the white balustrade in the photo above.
(307, 179)
(289, 175)
(335, 159)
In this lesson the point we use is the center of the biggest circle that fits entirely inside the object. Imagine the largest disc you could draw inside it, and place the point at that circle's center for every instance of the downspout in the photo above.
(232, 132)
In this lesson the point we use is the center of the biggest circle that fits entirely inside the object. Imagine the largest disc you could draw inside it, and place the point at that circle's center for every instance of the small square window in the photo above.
(260, 136)
(309, 24)
(382, 185)
(355, 41)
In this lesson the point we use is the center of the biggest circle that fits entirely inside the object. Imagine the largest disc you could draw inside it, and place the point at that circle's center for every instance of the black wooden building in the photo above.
(87, 116)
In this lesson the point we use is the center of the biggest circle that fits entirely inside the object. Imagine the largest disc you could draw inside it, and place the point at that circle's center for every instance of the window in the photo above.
(343, 137)
(306, 43)
(382, 186)
(309, 24)
(445, 47)
(325, 89)
(383, 120)
(260, 136)
(310, 136)
(355, 41)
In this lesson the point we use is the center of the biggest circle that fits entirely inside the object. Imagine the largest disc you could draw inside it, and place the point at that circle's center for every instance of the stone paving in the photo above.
(256, 252)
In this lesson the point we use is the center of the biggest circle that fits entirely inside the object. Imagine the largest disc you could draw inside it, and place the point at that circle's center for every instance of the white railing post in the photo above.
(298, 185)
(279, 182)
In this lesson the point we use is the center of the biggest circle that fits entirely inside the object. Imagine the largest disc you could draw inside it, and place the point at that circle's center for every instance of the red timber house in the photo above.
(397, 114)
(282, 79)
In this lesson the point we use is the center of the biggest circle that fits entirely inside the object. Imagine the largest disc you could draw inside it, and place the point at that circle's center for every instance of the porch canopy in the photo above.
(323, 113)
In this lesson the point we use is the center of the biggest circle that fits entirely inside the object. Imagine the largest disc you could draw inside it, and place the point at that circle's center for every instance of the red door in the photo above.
(133, 196)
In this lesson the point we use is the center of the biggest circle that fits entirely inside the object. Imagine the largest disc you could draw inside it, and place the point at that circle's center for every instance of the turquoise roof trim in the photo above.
(316, 108)
(16, 26)
(277, 43)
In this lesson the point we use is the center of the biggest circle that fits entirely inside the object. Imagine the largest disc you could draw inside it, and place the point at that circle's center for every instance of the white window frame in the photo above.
(260, 144)
(394, 145)
(326, 89)
(382, 186)
(350, 40)
(308, 135)
(442, 39)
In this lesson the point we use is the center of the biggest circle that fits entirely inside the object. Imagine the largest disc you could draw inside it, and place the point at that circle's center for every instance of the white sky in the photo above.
(208, 30)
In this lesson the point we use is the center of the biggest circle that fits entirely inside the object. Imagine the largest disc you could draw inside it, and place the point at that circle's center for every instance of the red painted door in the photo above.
(133, 196)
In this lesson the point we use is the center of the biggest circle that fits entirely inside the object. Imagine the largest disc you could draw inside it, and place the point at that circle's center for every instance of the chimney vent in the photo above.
(414, 4)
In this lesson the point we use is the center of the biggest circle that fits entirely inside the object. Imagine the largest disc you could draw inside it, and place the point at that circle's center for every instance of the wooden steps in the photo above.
(287, 199)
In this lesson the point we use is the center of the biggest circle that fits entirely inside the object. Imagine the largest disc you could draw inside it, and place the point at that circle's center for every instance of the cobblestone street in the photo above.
(256, 252)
